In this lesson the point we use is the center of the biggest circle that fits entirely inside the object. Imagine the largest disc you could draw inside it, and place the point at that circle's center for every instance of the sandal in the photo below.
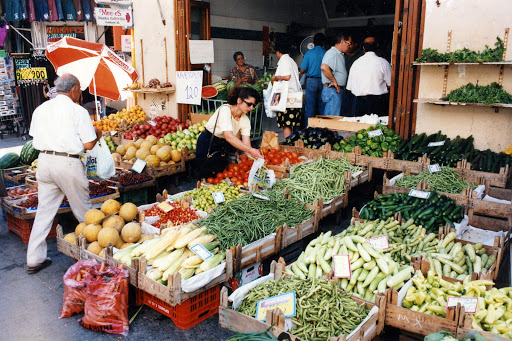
(35, 269)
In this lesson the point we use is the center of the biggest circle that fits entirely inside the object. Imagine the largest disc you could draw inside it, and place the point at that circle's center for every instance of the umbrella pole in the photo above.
(95, 98)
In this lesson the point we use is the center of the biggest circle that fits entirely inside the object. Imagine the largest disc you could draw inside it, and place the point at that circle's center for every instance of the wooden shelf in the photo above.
(168, 90)
(451, 63)
(437, 101)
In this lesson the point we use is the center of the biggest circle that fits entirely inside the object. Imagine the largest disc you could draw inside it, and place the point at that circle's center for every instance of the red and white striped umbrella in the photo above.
(95, 65)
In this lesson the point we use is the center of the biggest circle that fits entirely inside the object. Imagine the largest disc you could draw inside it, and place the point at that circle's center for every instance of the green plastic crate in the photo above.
(137, 196)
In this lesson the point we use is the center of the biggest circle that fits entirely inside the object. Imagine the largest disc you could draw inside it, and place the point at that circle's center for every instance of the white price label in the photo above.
(379, 242)
(152, 123)
(218, 197)
(374, 133)
(436, 144)
(16, 171)
(186, 132)
(434, 168)
(470, 304)
(139, 165)
(419, 194)
(341, 264)
(188, 87)
(259, 196)
(201, 251)
(113, 132)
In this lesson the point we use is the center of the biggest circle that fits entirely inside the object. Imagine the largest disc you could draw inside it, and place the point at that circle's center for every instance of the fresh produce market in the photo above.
(303, 171)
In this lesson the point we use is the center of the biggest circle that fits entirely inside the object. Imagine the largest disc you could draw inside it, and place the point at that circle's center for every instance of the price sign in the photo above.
(470, 304)
(188, 87)
(186, 132)
(374, 133)
(341, 264)
(16, 171)
(436, 144)
(201, 251)
(113, 132)
(419, 194)
(218, 197)
(285, 302)
(259, 196)
(379, 242)
(434, 168)
(152, 123)
(139, 165)
(31, 73)
(164, 206)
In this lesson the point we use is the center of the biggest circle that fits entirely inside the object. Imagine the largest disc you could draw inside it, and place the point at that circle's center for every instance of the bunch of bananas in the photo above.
(508, 151)
(134, 86)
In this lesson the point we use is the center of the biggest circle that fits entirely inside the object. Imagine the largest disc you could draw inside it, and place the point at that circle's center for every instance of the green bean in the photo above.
(447, 180)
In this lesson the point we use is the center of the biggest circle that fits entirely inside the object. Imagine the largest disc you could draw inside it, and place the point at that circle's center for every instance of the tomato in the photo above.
(210, 180)
(230, 174)
(276, 161)
(245, 167)
(246, 184)
(235, 168)
(225, 174)
(239, 183)
(243, 157)
(231, 166)
(295, 155)
(217, 181)
(246, 177)
(220, 176)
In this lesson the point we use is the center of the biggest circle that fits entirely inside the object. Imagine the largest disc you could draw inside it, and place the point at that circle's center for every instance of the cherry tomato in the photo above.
(220, 176)
(243, 157)
(230, 174)
(210, 180)
(234, 179)
(276, 161)
(239, 183)
(235, 168)
(225, 174)
(295, 155)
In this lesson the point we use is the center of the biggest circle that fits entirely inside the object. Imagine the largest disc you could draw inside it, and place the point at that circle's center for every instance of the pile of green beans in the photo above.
(247, 219)
(447, 180)
(253, 336)
(323, 178)
(322, 310)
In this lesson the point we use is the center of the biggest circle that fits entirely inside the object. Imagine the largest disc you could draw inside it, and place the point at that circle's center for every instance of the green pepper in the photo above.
(384, 146)
(360, 136)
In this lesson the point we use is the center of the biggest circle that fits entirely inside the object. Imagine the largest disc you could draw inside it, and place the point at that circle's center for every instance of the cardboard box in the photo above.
(198, 118)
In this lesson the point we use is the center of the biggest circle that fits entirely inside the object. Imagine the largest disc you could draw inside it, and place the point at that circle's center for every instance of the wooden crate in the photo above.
(84, 254)
(294, 234)
(22, 213)
(198, 118)
(325, 151)
(30, 181)
(389, 163)
(465, 331)
(490, 208)
(257, 251)
(67, 248)
(133, 187)
(133, 270)
(18, 175)
(495, 179)
(334, 123)
(230, 318)
(173, 293)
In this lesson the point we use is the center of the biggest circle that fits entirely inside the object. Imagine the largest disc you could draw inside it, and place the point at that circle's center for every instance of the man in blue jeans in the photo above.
(311, 66)
(334, 74)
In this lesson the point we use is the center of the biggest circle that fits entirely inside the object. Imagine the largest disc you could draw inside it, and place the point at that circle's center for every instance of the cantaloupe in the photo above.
(152, 161)
(102, 253)
(116, 157)
(121, 149)
(114, 221)
(130, 153)
(163, 163)
(95, 248)
(119, 243)
(139, 142)
(128, 145)
(164, 153)
(91, 232)
(131, 232)
(128, 212)
(154, 149)
(144, 237)
(146, 145)
(108, 235)
(176, 155)
(94, 216)
(70, 238)
(142, 153)
(152, 139)
(110, 206)
(125, 245)
(80, 228)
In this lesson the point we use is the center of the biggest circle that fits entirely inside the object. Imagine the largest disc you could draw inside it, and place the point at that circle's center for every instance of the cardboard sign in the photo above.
(436, 144)
(470, 304)
(113, 17)
(374, 133)
(31, 73)
(379, 242)
(218, 197)
(341, 265)
(139, 165)
(419, 194)
(259, 196)
(188, 87)
(434, 168)
(201, 51)
(285, 302)
(126, 43)
(201, 251)
(164, 206)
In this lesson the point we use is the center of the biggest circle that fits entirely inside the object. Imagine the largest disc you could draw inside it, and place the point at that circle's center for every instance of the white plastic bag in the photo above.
(100, 163)
(266, 101)
(261, 177)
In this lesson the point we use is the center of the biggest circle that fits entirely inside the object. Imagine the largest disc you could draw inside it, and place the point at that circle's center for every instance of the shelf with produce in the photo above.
(438, 101)
(168, 90)
(469, 64)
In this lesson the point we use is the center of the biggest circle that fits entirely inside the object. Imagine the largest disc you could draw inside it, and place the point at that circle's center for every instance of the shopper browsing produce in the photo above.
(228, 127)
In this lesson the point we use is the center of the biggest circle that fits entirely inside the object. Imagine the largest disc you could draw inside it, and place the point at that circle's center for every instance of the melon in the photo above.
(121, 149)
(152, 161)
(108, 235)
(176, 155)
(102, 253)
(114, 221)
(120, 243)
(128, 145)
(131, 232)
(152, 139)
(139, 142)
(154, 149)
(70, 238)
(144, 237)
(163, 163)
(146, 145)
(95, 248)
(142, 153)
(208, 91)
(91, 232)
(160, 144)
(79, 229)
(28, 153)
(130, 153)
(116, 157)
(128, 211)
(110, 206)
(94, 216)
(164, 153)
(9, 160)
(125, 245)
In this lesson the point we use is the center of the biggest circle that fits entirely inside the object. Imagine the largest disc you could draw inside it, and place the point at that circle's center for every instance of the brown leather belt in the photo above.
(51, 152)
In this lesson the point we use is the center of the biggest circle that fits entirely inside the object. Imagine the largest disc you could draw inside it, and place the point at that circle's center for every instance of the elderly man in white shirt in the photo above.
(61, 130)
(368, 80)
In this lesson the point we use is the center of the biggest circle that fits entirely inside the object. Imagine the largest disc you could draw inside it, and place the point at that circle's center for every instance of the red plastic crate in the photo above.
(23, 227)
(189, 313)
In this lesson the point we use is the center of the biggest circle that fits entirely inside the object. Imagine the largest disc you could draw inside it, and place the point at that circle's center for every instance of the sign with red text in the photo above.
(113, 17)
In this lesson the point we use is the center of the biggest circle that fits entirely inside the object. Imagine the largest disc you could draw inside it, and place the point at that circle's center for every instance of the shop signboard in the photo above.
(113, 17)
(114, 2)
(56, 33)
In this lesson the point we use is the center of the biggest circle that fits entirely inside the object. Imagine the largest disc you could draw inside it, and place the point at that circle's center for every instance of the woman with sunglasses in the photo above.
(229, 127)
(242, 73)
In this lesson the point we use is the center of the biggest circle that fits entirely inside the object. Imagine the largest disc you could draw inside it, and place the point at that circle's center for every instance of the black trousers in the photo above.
(371, 104)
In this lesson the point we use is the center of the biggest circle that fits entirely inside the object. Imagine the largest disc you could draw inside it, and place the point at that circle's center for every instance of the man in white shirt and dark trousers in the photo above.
(369, 79)
(61, 130)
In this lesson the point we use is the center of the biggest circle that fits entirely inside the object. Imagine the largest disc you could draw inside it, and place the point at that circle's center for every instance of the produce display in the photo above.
(464, 55)
(371, 268)
(180, 213)
(9, 160)
(435, 211)
(446, 180)
(248, 218)
(238, 174)
(208, 91)
(129, 177)
(100, 188)
(314, 138)
(372, 146)
(429, 295)
(184, 138)
(28, 154)
(323, 310)
(170, 253)
(276, 157)
(110, 143)
(322, 178)
(150, 150)
(19, 192)
(159, 127)
(447, 336)
(203, 196)
(124, 119)
(486, 94)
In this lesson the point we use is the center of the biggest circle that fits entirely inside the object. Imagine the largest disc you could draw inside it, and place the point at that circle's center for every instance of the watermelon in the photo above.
(9, 160)
(208, 91)
(220, 86)
(230, 85)
(28, 153)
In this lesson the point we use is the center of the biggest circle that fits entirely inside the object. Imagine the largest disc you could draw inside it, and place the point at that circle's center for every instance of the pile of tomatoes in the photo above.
(177, 216)
(275, 157)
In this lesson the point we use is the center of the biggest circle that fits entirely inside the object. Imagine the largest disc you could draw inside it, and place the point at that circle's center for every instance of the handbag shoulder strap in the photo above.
(214, 127)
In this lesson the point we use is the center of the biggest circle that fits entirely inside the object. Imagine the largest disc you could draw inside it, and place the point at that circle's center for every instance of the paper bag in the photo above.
(270, 141)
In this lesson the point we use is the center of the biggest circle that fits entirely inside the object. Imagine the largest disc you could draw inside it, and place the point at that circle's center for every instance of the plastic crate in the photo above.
(189, 313)
(138, 197)
(23, 228)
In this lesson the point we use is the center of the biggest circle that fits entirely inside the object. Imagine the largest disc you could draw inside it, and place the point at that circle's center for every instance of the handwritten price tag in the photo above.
(434, 168)
(152, 123)
(139, 165)
(374, 133)
(201, 251)
(341, 265)
(259, 196)
(379, 242)
(436, 144)
(218, 197)
(286, 302)
(470, 304)
(419, 194)
(164, 206)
